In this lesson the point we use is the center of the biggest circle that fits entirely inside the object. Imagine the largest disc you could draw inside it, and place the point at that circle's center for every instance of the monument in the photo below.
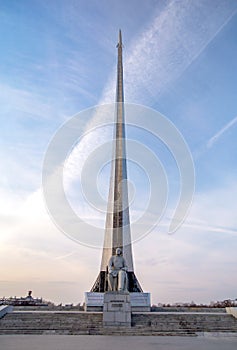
(116, 272)
(117, 275)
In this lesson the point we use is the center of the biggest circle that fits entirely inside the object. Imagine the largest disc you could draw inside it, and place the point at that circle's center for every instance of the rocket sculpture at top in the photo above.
(117, 229)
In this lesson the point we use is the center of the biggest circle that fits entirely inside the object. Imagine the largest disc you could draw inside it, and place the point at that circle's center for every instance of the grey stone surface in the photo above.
(140, 302)
(83, 342)
(232, 311)
(117, 309)
(4, 309)
(88, 323)
(94, 301)
(117, 276)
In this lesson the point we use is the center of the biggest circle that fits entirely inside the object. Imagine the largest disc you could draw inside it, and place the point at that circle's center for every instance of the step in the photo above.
(91, 323)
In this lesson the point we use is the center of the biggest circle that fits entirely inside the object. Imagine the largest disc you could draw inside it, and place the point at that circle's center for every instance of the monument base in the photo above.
(140, 302)
(94, 302)
(117, 309)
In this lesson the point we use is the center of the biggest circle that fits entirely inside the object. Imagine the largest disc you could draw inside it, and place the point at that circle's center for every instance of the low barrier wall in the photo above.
(5, 309)
(232, 311)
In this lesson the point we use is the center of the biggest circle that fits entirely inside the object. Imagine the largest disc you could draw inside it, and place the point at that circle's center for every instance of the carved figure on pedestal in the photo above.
(117, 275)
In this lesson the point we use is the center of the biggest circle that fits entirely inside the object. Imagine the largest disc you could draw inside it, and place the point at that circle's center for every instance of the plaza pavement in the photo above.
(84, 342)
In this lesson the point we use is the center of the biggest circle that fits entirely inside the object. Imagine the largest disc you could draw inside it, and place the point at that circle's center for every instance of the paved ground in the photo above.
(84, 342)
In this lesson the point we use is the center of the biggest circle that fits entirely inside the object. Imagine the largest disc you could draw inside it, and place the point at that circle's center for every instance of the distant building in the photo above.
(23, 301)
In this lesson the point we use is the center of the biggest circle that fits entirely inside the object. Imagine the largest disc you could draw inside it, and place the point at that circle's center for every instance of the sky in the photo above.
(58, 58)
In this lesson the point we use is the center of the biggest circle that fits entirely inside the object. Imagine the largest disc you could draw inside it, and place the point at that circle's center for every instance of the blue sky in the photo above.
(59, 58)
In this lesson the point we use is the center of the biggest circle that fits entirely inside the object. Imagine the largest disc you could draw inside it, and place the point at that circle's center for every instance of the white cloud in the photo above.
(198, 262)
(24, 102)
(34, 253)
(32, 246)
(154, 60)
(188, 265)
(160, 55)
(162, 52)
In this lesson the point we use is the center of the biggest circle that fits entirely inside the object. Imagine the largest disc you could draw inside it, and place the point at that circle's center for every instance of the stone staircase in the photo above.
(184, 323)
(155, 323)
(50, 323)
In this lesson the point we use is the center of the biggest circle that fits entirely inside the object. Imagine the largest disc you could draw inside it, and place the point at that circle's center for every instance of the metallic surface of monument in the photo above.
(117, 230)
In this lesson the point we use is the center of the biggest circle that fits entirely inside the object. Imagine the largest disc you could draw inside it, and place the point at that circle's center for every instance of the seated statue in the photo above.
(117, 276)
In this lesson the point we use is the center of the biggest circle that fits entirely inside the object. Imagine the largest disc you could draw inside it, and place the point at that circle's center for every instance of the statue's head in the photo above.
(118, 251)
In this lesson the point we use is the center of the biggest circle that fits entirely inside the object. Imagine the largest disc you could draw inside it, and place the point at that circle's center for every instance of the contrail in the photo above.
(64, 256)
(215, 138)
(175, 37)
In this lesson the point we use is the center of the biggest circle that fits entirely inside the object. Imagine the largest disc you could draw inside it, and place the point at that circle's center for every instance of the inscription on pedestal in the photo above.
(117, 305)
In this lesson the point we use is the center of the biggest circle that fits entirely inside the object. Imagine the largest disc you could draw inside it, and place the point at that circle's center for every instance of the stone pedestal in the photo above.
(140, 302)
(117, 309)
(94, 302)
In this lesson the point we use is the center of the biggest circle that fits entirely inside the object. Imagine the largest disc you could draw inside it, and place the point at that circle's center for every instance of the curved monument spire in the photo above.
(117, 228)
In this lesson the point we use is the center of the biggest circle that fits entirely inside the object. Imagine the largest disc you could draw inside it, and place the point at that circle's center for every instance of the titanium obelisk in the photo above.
(117, 229)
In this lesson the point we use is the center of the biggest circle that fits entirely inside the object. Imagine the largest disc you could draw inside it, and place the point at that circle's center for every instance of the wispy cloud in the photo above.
(24, 102)
(162, 52)
(154, 60)
(158, 56)
(196, 255)
(216, 137)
